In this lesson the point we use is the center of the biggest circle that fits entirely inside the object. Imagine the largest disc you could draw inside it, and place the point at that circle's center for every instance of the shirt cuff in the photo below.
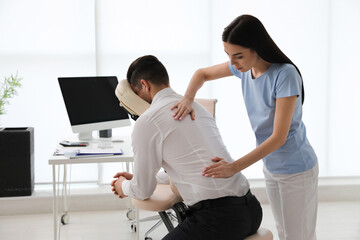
(125, 187)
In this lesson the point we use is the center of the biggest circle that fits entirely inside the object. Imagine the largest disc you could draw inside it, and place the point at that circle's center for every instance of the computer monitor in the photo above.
(92, 105)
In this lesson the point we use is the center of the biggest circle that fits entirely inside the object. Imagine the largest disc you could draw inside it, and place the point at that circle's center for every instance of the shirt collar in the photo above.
(162, 93)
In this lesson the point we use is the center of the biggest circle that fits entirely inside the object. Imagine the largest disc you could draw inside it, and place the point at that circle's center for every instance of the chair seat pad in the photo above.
(261, 234)
(162, 199)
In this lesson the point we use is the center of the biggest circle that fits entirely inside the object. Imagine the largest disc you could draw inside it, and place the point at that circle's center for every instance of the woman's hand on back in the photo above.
(183, 108)
(219, 169)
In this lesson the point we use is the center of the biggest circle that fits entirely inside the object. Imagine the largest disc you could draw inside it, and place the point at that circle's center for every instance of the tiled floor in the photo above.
(336, 221)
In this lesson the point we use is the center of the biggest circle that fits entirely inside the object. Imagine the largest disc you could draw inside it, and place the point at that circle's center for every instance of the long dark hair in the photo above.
(247, 31)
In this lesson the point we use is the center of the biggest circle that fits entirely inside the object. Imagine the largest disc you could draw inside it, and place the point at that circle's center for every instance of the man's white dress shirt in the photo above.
(183, 148)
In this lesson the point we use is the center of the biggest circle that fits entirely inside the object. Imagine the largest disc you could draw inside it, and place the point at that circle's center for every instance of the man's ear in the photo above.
(145, 84)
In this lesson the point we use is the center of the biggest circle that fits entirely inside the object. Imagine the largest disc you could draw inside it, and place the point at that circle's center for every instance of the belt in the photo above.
(219, 202)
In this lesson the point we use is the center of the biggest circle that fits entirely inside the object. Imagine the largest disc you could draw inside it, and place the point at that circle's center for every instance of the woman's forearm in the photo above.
(195, 84)
(282, 120)
(270, 145)
(205, 74)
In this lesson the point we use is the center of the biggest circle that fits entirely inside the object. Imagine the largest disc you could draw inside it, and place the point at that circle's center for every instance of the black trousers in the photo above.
(222, 218)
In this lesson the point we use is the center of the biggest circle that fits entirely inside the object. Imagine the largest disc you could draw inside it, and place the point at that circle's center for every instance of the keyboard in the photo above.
(105, 144)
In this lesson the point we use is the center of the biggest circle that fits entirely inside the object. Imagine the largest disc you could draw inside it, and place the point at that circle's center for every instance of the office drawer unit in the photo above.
(16, 161)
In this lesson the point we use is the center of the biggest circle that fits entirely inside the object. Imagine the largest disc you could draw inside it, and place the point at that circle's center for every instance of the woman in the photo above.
(273, 92)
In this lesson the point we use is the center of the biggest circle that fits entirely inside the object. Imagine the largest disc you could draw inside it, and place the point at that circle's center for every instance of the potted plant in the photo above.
(16, 149)
(8, 90)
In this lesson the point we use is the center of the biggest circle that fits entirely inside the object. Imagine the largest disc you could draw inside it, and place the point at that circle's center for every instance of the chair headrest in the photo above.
(133, 104)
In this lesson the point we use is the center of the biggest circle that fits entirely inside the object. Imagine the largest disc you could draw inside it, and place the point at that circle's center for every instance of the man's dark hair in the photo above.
(148, 68)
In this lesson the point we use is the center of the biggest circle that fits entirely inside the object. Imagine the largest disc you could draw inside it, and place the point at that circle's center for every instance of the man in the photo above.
(221, 208)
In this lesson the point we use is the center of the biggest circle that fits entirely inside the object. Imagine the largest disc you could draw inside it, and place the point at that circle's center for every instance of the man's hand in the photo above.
(117, 187)
(117, 183)
(126, 175)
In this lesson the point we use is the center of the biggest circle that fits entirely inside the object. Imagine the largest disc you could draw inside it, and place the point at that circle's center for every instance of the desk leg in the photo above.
(137, 219)
(129, 205)
(65, 189)
(134, 209)
(127, 167)
(55, 204)
(65, 216)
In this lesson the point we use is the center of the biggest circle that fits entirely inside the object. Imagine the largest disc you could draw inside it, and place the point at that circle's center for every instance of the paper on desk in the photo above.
(87, 152)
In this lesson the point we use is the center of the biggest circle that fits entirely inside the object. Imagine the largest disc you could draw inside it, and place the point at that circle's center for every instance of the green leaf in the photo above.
(8, 90)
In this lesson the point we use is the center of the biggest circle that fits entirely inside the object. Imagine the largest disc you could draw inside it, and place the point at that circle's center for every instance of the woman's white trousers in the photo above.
(293, 199)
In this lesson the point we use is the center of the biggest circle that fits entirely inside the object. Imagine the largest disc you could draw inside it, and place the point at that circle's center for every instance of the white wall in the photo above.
(343, 86)
(44, 40)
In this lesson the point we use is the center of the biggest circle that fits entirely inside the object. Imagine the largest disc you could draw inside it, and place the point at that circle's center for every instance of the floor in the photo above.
(336, 221)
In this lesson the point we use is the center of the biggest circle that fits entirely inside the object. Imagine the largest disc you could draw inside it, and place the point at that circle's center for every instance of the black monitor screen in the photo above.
(91, 99)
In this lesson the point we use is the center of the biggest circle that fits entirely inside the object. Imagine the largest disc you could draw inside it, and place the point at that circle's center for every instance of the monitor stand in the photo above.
(105, 133)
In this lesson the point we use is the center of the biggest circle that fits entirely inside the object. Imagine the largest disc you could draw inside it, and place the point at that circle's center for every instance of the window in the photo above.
(45, 40)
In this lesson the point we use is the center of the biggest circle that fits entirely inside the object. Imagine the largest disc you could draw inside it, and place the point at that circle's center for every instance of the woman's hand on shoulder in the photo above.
(183, 108)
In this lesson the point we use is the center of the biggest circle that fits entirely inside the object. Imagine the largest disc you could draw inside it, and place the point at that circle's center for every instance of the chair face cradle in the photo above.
(132, 103)
(166, 197)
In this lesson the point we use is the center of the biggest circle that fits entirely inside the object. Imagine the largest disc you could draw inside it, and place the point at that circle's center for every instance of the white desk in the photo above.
(62, 161)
